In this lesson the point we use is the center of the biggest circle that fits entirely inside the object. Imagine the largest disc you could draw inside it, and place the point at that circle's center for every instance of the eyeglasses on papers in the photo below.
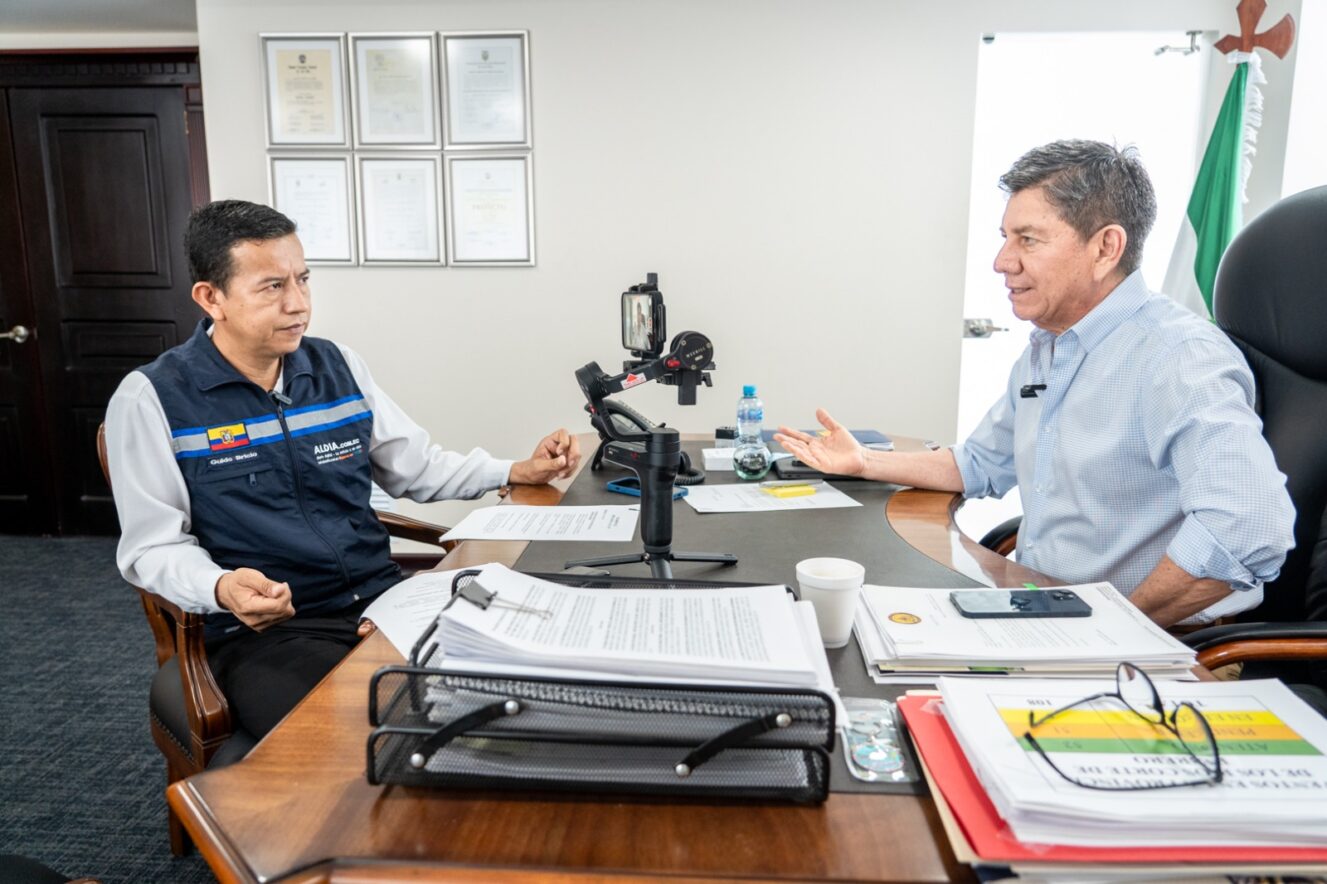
(1183, 731)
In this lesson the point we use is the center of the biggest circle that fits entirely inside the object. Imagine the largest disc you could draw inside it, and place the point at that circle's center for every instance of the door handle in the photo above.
(18, 334)
(980, 328)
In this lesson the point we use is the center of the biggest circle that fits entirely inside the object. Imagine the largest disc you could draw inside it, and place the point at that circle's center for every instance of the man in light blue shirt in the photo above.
(1128, 422)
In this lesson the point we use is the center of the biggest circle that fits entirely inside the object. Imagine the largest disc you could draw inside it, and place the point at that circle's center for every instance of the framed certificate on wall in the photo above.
(487, 79)
(315, 193)
(395, 94)
(490, 210)
(305, 90)
(399, 209)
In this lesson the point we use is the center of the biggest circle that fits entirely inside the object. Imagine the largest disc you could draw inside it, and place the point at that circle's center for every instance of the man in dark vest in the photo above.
(242, 462)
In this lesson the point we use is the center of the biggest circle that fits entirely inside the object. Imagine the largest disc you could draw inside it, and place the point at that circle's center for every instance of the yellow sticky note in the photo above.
(790, 490)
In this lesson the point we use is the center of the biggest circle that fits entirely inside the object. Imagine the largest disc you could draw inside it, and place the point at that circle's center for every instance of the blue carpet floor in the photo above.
(82, 787)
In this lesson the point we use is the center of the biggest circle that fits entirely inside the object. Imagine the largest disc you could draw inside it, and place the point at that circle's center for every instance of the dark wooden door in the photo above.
(25, 469)
(104, 194)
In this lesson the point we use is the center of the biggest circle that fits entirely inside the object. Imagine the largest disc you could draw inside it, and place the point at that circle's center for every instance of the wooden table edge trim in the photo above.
(938, 543)
(359, 871)
(217, 850)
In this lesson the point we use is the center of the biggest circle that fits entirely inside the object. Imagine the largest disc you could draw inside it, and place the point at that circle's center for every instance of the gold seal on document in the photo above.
(904, 617)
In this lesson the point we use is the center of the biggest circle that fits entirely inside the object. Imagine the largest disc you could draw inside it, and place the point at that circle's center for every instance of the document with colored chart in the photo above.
(1061, 787)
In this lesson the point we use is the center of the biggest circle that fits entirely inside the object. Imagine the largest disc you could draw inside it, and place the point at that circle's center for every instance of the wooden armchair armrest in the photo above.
(1244, 642)
(179, 633)
(162, 615)
(414, 529)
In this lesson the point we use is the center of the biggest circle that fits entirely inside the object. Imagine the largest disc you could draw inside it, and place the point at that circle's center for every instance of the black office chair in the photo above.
(16, 869)
(1271, 299)
(1003, 538)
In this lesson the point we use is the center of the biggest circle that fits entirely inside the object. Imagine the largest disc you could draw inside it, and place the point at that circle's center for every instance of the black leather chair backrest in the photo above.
(1271, 299)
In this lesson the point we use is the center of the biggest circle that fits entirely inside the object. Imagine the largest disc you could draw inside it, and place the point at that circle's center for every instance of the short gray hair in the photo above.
(1090, 185)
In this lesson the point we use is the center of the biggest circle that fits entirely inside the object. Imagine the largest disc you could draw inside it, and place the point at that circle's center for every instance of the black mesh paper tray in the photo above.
(461, 730)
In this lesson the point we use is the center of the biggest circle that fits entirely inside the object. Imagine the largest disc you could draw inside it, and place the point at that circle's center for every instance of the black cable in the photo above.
(687, 474)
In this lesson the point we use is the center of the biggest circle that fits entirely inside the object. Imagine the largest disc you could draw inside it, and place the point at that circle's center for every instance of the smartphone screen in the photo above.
(638, 321)
(981, 603)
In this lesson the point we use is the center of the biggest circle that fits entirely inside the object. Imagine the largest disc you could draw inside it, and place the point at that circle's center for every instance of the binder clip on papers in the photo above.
(483, 599)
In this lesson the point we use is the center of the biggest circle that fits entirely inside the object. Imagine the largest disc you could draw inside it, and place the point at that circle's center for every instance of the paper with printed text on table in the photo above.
(513, 522)
(742, 633)
(753, 499)
(403, 612)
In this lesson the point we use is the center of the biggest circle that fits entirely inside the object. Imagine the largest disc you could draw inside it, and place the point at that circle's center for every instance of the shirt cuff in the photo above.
(1196, 551)
(204, 591)
(1235, 603)
(497, 474)
(974, 483)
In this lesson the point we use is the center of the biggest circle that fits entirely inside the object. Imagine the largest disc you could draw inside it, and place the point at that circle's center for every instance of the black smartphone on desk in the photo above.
(989, 603)
(631, 485)
(791, 468)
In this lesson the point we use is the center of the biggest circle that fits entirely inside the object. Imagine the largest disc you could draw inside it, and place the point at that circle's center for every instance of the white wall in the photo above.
(797, 173)
(1306, 143)
(96, 16)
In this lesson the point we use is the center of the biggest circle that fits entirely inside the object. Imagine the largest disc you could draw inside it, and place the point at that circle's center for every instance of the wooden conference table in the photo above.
(299, 808)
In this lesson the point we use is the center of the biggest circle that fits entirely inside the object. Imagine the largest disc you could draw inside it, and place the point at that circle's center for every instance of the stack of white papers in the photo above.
(732, 636)
(748, 635)
(909, 635)
(1273, 752)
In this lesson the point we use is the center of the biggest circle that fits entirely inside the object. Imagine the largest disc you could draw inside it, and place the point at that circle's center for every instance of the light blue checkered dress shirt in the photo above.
(1143, 444)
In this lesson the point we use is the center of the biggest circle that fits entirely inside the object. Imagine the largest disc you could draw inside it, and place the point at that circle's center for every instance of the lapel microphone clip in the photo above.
(1029, 391)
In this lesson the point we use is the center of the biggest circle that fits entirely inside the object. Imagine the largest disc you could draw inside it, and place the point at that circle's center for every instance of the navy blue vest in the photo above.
(283, 488)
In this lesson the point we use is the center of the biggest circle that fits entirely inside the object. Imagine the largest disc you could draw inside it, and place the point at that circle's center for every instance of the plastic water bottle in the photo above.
(751, 457)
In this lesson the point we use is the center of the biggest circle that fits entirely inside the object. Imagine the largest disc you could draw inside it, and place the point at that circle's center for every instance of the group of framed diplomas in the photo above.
(383, 155)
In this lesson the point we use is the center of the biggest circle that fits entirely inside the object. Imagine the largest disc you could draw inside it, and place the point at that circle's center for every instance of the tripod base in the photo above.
(658, 562)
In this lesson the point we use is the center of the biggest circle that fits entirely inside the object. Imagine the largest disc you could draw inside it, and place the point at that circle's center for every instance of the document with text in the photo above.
(403, 612)
(753, 499)
(922, 625)
(751, 634)
(511, 522)
(911, 634)
(1076, 784)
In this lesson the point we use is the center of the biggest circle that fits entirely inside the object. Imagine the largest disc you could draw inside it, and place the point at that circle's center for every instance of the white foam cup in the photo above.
(831, 586)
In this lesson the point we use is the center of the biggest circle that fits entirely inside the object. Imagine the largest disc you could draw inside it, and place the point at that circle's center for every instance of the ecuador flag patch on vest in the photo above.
(227, 437)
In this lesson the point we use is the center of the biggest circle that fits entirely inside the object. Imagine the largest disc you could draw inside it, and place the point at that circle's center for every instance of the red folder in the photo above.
(993, 840)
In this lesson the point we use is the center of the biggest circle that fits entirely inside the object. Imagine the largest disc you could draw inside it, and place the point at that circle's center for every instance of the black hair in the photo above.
(215, 229)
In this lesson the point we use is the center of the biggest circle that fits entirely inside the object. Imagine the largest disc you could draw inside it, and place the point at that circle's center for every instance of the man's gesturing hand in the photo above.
(257, 601)
(836, 452)
(555, 457)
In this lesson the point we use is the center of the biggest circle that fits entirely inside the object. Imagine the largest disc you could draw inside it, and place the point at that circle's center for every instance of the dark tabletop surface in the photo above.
(769, 545)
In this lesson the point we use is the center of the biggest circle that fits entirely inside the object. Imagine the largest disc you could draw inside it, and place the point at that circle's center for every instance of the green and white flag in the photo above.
(1215, 211)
